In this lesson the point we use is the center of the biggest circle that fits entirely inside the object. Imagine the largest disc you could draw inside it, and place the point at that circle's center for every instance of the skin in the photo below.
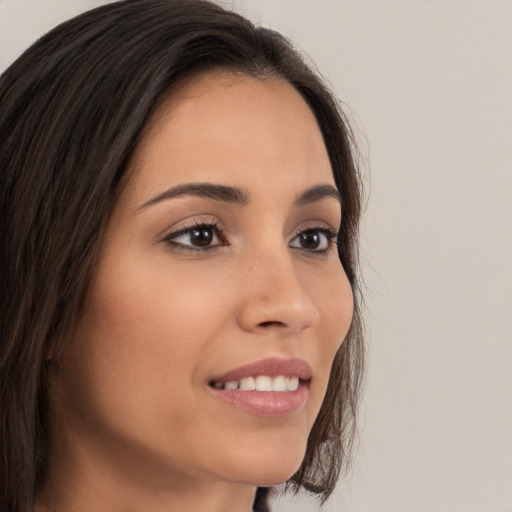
(134, 424)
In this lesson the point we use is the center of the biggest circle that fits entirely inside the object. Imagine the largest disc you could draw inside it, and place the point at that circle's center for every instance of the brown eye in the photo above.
(196, 238)
(316, 240)
(201, 237)
(310, 240)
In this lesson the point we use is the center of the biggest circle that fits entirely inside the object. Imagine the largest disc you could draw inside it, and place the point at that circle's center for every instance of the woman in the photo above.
(180, 317)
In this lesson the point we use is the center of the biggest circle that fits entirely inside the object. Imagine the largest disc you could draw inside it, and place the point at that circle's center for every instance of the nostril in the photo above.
(270, 323)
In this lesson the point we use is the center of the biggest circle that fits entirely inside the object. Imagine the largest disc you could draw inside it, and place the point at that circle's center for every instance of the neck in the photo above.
(85, 496)
(84, 482)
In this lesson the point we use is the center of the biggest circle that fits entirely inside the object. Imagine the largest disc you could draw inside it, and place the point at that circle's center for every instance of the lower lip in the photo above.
(272, 404)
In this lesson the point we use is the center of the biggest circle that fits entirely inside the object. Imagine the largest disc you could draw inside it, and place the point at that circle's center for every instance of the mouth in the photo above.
(263, 383)
(272, 387)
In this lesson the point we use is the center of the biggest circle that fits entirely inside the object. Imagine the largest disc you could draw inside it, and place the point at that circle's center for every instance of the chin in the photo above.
(272, 477)
(266, 466)
(268, 476)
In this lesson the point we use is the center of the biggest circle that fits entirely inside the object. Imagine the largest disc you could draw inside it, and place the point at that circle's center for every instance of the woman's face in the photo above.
(219, 254)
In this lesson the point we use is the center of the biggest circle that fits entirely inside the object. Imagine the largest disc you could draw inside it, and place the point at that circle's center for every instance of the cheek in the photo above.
(156, 315)
(142, 338)
(334, 299)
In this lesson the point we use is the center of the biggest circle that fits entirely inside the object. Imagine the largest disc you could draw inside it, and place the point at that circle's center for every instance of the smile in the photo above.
(261, 383)
(271, 387)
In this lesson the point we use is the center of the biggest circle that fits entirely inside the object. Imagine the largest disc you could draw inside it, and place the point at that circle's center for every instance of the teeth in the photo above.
(279, 383)
(261, 383)
(247, 384)
(292, 383)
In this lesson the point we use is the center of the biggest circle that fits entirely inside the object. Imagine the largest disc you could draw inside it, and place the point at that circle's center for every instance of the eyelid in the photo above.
(197, 223)
(317, 225)
(214, 224)
(330, 234)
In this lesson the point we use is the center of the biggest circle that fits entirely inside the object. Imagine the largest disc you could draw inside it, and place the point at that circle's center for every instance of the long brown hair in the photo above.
(72, 110)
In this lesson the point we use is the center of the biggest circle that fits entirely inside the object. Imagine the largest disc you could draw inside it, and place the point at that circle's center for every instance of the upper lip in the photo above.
(272, 367)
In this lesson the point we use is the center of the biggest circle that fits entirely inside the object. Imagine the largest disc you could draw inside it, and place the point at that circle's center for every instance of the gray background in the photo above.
(428, 84)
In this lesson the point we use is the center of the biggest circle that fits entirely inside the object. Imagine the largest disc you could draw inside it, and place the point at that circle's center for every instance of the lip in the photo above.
(271, 404)
(272, 367)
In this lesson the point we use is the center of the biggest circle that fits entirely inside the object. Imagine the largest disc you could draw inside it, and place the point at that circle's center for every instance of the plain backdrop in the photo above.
(428, 85)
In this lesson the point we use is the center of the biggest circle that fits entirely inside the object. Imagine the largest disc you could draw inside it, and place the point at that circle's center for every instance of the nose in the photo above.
(276, 297)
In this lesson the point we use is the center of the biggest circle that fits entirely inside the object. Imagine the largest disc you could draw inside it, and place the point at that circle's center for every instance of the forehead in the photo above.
(231, 129)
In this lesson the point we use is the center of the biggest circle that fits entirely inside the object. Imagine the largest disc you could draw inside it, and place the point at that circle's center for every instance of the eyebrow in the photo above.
(317, 193)
(236, 195)
(209, 190)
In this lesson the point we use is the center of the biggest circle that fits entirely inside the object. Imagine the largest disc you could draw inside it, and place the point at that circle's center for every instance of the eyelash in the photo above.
(329, 234)
(217, 231)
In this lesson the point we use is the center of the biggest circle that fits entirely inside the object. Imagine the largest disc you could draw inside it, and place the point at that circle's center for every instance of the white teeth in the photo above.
(247, 384)
(279, 383)
(292, 383)
(261, 383)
